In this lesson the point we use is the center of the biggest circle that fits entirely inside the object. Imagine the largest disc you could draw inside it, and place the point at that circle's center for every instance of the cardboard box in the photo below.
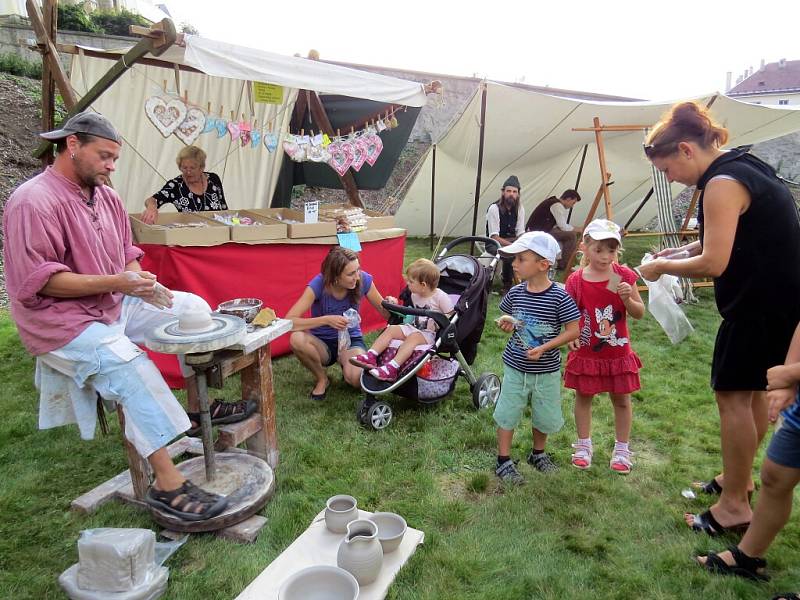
(375, 220)
(267, 229)
(296, 228)
(212, 234)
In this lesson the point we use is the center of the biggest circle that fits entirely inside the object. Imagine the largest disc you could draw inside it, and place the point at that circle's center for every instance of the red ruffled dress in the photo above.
(605, 361)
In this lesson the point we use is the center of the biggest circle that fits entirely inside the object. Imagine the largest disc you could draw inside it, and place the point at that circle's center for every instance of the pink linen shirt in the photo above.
(48, 228)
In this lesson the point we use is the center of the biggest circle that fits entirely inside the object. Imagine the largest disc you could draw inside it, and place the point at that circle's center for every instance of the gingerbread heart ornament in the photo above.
(166, 115)
(255, 138)
(222, 128)
(211, 125)
(233, 129)
(341, 156)
(271, 141)
(374, 148)
(192, 126)
(360, 148)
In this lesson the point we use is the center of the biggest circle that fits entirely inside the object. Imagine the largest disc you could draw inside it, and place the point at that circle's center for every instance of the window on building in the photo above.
(783, 102)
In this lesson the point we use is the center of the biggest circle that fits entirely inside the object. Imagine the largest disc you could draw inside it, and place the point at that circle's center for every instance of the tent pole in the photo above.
(588, 220)
(480, 159)
(601, 153)
(638, 208)
(433, 193)
(48, 83)
(578, 179)
(690, 210)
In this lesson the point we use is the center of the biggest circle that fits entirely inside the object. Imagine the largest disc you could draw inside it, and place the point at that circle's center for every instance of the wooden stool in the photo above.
(250, 358)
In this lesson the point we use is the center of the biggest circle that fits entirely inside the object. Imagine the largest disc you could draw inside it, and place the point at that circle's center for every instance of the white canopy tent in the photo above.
(223, 83)
(531, 135)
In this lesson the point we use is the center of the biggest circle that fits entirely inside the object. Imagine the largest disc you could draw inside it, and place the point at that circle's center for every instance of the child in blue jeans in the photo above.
(536, 310)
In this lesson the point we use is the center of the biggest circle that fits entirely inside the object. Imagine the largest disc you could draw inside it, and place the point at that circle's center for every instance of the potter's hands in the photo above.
(336, 321)
(142, 284)
(150, 214)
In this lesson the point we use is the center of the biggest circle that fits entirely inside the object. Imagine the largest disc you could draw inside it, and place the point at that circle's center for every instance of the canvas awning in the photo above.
(531, 135)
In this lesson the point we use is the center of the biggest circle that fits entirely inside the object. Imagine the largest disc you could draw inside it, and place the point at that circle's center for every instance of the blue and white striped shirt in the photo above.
(541, 316)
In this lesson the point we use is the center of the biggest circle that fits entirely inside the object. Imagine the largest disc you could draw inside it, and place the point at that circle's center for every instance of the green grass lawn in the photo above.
(569, 535)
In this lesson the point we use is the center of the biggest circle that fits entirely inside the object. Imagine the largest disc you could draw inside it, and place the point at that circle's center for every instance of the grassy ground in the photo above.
(559, 536)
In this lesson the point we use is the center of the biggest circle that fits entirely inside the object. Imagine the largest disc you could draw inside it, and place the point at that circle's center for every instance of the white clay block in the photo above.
(115, 560)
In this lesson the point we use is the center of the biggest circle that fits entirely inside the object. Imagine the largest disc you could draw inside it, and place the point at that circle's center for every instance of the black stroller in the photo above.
(431, 372)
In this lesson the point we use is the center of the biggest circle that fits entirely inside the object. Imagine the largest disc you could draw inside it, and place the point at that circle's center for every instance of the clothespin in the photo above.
(302, 132)
(221, 111)
(209, 107)
(164, 86)
(233, 116)
(338, 133)
(186, 96)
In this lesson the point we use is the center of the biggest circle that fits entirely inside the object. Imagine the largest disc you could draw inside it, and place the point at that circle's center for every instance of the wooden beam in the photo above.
(321, 117)
(613, 128)
(690, 210)
(50, 55)
(153, 62)
(125, 62)
(48, 83)
(601, 154)
(686, 233)
(589, 217)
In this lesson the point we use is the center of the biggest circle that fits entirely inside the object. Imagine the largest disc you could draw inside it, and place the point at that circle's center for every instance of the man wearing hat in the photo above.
(505, 222)
(80, 300)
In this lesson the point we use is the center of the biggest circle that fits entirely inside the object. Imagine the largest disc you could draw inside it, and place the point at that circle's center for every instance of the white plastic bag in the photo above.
(353, 319)
(661, 302)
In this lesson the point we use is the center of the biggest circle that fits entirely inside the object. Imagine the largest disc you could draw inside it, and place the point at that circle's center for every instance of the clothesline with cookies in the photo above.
(174, 115)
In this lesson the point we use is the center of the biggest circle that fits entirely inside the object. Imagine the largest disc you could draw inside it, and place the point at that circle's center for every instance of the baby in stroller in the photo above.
(422, 277)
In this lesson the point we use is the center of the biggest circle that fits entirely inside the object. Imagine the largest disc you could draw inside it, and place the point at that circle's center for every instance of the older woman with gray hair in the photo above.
(191, 191)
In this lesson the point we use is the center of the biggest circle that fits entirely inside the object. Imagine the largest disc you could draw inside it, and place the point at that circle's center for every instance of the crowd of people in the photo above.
(81, 304)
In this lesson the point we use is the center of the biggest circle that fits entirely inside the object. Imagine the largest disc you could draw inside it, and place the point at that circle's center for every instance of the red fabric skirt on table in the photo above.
(590, 376)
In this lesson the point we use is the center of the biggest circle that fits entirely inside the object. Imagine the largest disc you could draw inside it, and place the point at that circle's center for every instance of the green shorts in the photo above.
(542, 390)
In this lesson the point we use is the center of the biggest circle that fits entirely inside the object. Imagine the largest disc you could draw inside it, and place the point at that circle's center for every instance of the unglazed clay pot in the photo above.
(391, 529)
(360, 552)
(322, 582)
(339, 511)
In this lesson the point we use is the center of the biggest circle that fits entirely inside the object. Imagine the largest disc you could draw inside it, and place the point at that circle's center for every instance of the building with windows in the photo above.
(775, 83)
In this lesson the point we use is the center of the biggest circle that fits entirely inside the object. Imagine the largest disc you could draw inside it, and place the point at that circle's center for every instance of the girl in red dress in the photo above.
(602, 360)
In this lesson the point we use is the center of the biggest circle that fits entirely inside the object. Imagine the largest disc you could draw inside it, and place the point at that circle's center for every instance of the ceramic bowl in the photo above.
(321, 582)
(245, 308)
(391, 529)
(339, 511)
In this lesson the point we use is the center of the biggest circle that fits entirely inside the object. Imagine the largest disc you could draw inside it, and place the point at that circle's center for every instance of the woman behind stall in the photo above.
(193, 190)
(750, 244)
(315, 341)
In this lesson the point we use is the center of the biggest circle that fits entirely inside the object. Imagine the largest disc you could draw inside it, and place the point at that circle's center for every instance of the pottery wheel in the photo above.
(170, 339)
(246, 480)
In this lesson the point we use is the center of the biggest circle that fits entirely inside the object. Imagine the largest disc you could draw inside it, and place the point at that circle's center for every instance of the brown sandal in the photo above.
(185, 501)
(222, 413)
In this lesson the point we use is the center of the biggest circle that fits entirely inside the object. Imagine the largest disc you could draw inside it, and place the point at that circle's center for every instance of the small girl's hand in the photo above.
(574, 345)
(392, 300)
(624, 290)
(535, 353)
(336, 321)
(779, 399)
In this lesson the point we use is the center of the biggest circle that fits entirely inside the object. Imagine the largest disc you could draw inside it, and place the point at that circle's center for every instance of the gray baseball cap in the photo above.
(91, 123)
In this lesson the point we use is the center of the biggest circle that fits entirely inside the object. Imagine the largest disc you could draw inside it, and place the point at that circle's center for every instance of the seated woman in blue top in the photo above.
(314, 340)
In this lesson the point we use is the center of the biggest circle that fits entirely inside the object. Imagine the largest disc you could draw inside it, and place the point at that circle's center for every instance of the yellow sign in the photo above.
(267, 93)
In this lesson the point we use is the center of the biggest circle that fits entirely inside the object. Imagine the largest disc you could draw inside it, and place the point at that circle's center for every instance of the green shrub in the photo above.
(16, 65)
(74, 18)
(117, 23)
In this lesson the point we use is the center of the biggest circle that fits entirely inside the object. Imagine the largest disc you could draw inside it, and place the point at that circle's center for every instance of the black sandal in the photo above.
(713, 488)
(706, 523)
(749, 567)
(184, 502)
(222, 413)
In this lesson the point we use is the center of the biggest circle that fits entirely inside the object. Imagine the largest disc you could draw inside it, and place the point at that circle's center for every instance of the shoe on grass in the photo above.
(582, 457)
(542, 462)
(507, 472)
(621, 461)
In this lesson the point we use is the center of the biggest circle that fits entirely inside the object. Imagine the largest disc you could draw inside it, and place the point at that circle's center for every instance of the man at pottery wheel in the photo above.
(80, 301)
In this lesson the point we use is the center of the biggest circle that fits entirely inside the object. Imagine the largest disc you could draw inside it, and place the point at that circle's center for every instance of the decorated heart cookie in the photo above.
(234, 130)
(374, 147)
(211, 125)
(359, 153)
(255, 138)
(271, 141)
(191, 127)
(317, 154)
(341, 156)
(166, 114)
(222, 128)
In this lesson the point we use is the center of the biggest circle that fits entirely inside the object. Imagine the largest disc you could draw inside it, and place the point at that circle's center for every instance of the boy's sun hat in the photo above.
(543, 244)
(603, 229)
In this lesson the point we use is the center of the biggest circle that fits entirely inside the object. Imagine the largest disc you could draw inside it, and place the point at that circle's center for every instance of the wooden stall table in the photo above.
(276, 272)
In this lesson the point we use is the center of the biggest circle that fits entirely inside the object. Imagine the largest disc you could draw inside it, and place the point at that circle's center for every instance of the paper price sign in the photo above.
(312, 211)
(267, 93)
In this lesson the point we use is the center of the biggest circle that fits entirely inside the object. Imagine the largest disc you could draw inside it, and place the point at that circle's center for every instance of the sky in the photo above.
(650, 50)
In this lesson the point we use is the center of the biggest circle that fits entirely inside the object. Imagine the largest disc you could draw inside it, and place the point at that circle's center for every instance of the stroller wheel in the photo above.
(379, 415)
(362, 410)
(486, 390)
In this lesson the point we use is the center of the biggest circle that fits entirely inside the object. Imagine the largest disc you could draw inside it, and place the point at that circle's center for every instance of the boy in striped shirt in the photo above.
(541, 317)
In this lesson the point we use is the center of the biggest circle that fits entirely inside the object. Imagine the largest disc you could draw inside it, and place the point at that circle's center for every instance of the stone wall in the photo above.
(783, 154)
(11, 34)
